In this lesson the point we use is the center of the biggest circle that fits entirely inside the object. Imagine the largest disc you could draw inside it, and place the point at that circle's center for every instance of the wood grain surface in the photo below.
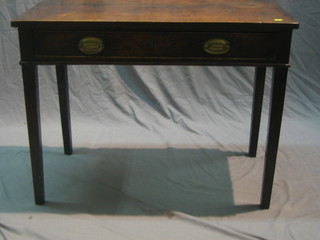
(179, 11)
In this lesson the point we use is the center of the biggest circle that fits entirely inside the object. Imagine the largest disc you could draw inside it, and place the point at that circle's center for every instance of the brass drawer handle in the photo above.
(217, 46)
(91, 45)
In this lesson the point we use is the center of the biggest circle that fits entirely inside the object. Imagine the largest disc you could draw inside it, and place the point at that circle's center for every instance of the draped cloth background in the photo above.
(160, 150)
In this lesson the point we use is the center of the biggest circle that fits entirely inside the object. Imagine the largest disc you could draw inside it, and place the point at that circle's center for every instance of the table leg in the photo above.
(63, 89)
(258, 89)
(31, 93)
(276, 108)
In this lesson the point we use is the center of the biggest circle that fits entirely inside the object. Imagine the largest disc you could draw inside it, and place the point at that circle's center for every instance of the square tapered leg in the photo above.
(275, 117)
(258, 89)
(63, 89)
(31, 93)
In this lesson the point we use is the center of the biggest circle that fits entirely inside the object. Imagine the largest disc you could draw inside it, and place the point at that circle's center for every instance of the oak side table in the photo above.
(168, 32)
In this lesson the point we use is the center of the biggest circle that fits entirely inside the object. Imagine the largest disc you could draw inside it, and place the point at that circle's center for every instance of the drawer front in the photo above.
(147, 46)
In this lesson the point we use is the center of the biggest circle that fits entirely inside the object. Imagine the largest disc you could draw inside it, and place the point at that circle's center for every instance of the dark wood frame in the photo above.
(36, 52)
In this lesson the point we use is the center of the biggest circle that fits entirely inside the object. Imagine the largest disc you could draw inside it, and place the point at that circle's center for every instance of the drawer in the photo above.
(147, 46)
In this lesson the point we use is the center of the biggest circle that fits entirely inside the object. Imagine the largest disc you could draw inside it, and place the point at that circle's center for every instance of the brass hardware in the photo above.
(91, 45)
(217, 46)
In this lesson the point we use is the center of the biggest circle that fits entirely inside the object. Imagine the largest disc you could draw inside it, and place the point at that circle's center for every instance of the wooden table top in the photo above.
(159, 11)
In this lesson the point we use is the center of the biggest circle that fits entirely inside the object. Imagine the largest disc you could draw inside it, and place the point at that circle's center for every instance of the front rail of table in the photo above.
(214, 44)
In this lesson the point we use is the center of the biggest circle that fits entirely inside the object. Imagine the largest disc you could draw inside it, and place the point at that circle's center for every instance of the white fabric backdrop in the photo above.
(160, 150)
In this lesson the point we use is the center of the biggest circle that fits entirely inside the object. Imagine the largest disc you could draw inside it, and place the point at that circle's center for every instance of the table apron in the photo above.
(156, 48)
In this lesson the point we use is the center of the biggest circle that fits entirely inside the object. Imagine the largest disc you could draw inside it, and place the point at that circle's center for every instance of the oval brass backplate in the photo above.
(217, 46)
(91, 45)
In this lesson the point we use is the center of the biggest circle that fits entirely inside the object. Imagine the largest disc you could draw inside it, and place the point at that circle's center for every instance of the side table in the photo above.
(168, 32)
